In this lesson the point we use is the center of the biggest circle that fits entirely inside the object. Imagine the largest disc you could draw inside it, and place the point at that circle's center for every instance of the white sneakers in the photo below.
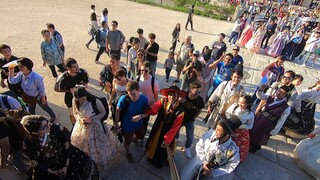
(188, 153)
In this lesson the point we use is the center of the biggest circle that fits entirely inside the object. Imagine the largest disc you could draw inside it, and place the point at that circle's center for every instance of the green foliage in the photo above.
(180, 2)
(202, 8)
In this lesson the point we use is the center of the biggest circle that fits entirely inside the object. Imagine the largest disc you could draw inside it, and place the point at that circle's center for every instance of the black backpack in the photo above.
(97, 36)
(96, 111)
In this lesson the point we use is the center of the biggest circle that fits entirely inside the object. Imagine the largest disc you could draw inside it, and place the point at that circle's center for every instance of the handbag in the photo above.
(29, 99)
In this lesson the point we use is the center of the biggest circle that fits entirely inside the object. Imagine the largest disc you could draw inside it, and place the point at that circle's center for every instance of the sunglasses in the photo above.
(118, 78)
(286, 77)
(140, 55)
(144, 70)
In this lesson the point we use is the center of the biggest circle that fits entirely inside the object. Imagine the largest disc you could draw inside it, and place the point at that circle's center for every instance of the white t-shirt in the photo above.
(103, 18)
(14, 104)
(146, 87)
(132, 57)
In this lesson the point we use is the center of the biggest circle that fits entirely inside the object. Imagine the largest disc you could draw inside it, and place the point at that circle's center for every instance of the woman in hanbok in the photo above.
(242, 110)
(279, 42)
(254, 44)
(53, 157)
(290, 49)
(246, 35)
(301, 121)
(217, 155)
(169, 120)
(89, 133)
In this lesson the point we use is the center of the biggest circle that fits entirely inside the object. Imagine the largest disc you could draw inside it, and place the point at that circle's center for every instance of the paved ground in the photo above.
(22, 29)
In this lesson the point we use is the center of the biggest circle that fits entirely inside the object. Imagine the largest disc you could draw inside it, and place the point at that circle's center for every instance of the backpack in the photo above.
(97, 37)
(96, 111)
(115, 102)
(152, 82)
(12, 94)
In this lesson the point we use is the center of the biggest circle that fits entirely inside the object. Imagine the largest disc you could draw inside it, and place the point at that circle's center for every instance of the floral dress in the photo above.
(91, 138)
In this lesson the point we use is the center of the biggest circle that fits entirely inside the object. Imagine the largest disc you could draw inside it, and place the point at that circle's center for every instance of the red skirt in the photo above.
(242, 140)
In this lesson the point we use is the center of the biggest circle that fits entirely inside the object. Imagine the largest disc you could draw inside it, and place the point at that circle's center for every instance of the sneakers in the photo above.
(176, 81)
(188, 153)
(167, 80)
(129, 158)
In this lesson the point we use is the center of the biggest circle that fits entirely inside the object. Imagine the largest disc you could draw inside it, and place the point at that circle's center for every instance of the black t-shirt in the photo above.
(191, 108)
(217, 49)
(5, 70)
(154, 49)
(66, 82)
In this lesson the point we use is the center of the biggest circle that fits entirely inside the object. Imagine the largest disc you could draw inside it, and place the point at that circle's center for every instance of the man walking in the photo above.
(151, 50)
(56, 36)
(68, 80)
(102, 38)
(193, 104)
(114, 39)
(131, 107)
(190, 18)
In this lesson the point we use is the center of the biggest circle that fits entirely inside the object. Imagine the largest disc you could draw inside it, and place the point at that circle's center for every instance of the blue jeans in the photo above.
(45, 107)
(153, 68)
(190, 133)
(233, 37)
(210, 91)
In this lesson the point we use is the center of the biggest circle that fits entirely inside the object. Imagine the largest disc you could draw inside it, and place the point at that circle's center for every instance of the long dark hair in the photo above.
(248, 102)
(176, 29)
(80, 91)
(93, 17)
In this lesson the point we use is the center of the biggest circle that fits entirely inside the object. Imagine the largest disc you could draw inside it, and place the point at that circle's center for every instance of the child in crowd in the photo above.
(168, 64)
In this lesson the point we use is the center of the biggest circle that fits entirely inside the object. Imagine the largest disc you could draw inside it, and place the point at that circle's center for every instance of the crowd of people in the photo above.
(211, 79)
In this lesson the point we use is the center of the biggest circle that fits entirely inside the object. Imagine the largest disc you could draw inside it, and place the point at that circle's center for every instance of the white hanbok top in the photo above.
(205, 148)
(246, 116)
